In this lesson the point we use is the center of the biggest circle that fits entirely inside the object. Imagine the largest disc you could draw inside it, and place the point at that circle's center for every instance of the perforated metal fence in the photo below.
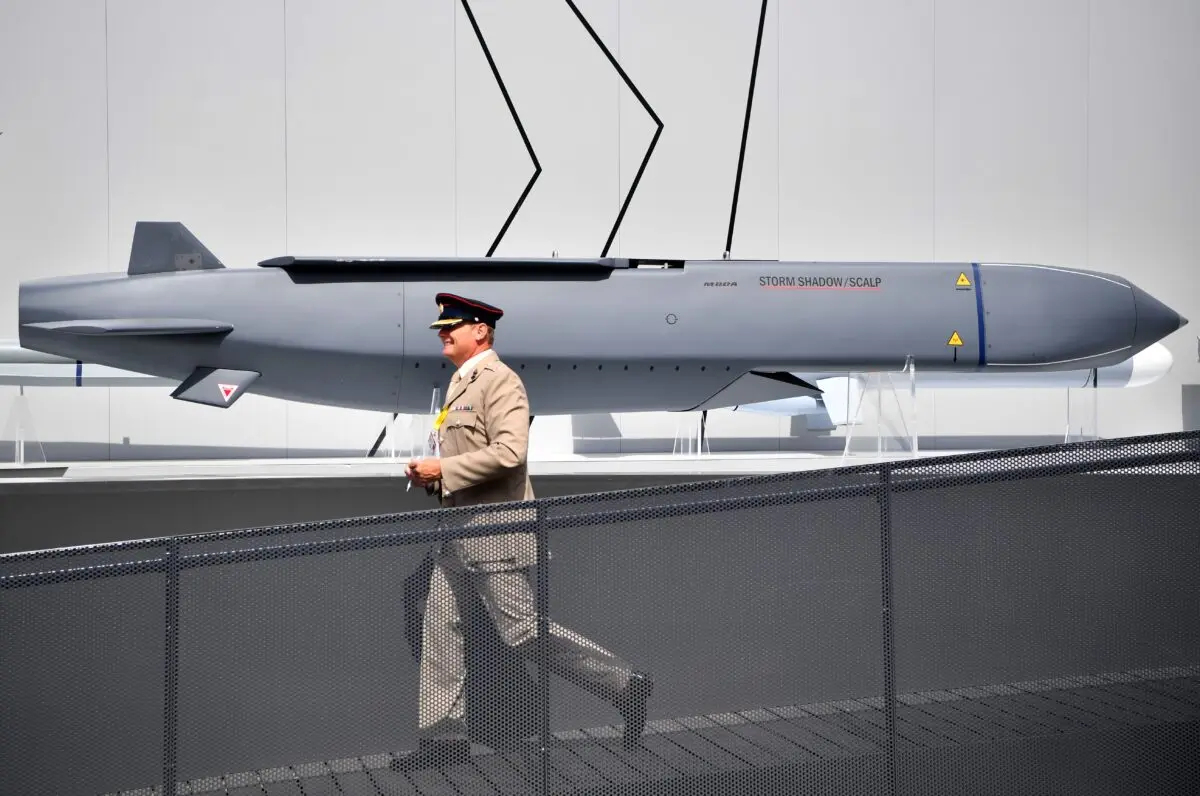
(1014, 622)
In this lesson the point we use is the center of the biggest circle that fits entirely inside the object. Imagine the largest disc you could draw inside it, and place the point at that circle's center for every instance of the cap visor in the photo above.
(446, 322)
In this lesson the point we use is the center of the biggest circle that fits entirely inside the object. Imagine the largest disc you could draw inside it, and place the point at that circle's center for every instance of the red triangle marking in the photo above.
(227, 390)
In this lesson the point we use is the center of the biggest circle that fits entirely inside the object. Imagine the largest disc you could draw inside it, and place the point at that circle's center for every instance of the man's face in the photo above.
(458, 342)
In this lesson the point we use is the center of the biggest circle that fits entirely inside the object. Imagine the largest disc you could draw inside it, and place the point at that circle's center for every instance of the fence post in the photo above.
(889, 648)
(171, 681)
(543, 649)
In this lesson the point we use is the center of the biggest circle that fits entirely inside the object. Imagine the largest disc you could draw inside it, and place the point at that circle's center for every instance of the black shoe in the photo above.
(434, 754)
(632, 705)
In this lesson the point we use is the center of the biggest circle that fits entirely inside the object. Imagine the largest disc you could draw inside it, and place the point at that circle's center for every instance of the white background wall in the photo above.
(1052, 131)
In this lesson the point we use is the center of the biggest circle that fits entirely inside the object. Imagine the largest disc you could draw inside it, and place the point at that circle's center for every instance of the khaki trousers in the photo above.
(512, 605)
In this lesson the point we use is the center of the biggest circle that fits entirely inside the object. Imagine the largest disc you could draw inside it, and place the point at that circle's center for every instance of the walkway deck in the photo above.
(1053, 735)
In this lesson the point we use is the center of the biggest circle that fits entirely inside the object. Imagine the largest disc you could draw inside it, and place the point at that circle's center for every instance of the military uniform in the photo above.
(482, 436)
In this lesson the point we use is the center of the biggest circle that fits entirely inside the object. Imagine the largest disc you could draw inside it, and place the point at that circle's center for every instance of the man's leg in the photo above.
(512, 605)
(441, 715)
(440, 704)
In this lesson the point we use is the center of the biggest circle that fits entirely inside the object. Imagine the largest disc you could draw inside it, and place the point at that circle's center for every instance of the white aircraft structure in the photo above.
(842, 394)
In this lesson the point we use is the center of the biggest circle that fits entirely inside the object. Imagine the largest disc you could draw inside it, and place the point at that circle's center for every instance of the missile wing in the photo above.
(135, 326)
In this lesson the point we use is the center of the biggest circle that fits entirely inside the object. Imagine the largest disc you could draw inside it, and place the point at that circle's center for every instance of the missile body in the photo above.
(605, 335)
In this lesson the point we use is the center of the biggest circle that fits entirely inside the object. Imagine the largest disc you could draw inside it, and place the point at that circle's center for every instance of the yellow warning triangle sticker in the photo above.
(954, 340)
(962, 280)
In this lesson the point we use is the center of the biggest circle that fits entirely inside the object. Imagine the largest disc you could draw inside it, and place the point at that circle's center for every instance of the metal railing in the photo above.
(31, 582)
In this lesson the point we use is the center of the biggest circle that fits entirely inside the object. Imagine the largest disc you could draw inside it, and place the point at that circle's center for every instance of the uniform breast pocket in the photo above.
(461, 418)
(466, 426)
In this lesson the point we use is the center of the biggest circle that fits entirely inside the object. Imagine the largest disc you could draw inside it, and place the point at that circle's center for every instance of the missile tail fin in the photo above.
(220, 387)
(166, 246)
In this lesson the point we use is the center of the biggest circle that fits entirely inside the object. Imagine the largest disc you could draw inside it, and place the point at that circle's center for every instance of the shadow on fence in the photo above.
(1021, 621)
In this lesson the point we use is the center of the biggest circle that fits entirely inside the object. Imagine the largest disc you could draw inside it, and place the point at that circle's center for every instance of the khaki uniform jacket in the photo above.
(484, 443)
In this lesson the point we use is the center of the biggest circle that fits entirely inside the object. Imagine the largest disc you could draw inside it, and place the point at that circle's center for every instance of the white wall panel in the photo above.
(311, 428)
(370, 127)
(196, 123)
(1011, 131)
(53, 192)
(565, 94)
(1144, 181)
(78, 417)
(908, 129)
(551, 438)
(855, 130)
(1011, 165)
(692, 63)
(196, 135)
(148, 416)
(756, 225)
(754, 431)
(370, 151)
(691, 60)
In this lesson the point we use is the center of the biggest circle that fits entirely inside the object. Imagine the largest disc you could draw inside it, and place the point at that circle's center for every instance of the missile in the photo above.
(610, 334)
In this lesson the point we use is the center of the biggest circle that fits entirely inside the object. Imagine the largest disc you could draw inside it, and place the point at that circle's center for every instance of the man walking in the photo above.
(483, 441)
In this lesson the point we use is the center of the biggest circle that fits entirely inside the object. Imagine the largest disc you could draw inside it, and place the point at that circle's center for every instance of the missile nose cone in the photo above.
(1155, 320)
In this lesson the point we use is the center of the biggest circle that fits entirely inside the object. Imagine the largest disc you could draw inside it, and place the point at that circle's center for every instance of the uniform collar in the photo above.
(465, 368)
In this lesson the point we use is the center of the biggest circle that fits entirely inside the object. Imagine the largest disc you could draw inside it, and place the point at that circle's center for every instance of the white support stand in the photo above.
(391, 435)
(20, 424)
(425, 445)
(1083, 411)
(884, 421)
(411, 436)
(429, 445)
(690, 439)
(400, 437)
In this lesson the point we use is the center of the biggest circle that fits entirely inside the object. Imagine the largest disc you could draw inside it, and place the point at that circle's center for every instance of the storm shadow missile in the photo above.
(610, 334)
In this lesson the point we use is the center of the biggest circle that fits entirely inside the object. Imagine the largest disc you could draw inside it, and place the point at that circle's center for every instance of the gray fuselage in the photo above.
(663, 337)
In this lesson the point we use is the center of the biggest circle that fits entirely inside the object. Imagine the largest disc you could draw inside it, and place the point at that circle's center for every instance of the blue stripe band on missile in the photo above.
(979, 314)
(78, 373)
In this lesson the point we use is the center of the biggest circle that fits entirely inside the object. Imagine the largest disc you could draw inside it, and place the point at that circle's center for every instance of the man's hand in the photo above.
(424, 472)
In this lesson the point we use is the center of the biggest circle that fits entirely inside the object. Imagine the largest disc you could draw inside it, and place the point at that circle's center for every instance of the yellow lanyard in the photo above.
(441, 418)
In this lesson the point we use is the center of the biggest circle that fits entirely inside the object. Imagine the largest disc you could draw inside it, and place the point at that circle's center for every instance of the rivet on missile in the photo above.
(954, 340)
(962, 283)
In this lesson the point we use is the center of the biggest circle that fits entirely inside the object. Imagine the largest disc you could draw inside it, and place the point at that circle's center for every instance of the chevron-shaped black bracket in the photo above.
(657, 121)
(737, 182)
(537, 167)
